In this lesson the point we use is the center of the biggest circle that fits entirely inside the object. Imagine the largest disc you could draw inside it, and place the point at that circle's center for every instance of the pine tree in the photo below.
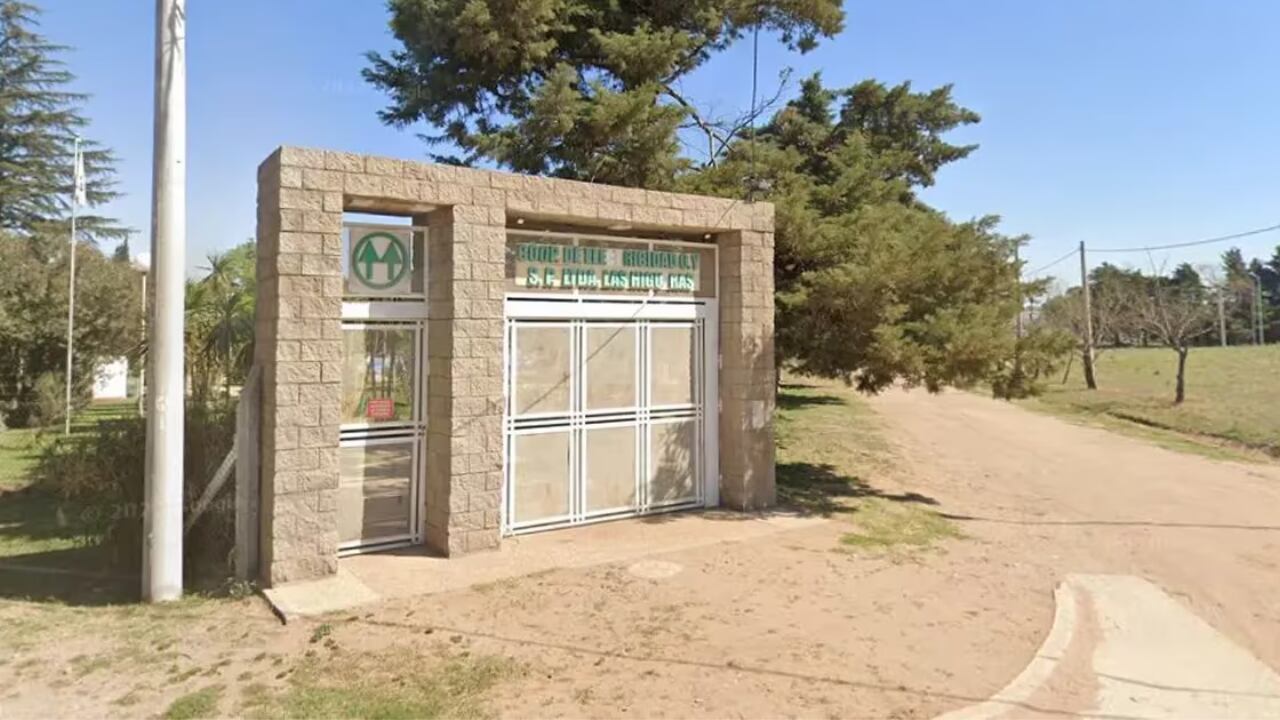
(873, 286)
(39, 120)
(572, 88)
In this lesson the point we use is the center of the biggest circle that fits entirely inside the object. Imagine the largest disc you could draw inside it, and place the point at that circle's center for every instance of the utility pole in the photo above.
(1255, 322)
(1017, 322)
(1262, 312)
(166, 401)
(76, 196)
(1222, 320)
(142, 358)
(1089, 379)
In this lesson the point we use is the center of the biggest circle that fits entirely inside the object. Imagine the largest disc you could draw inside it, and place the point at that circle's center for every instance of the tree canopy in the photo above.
(571, 88)
(873, 286)
(39, 121)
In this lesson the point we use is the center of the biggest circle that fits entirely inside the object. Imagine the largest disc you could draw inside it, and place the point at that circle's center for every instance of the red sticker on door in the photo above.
(380, 409)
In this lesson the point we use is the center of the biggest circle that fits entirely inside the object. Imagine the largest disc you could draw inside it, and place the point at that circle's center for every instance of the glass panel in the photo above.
(673, 365)
(672, 461)
(377, 374)
(541, 476)
(611, 468)
(373, 491)
(611, 367)
(541, 369)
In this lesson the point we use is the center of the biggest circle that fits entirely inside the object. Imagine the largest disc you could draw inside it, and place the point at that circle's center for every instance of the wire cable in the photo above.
(1039, 270)
(1193, 243)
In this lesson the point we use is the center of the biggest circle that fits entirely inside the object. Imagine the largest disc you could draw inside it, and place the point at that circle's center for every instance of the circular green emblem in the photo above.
(380, 260)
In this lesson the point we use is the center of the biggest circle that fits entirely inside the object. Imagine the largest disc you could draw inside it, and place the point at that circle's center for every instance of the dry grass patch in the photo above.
(202, 703)
(884, 525)
(393, 684)
(834, 461)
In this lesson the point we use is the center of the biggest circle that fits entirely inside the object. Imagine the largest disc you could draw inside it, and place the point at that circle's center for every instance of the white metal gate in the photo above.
(611, 409)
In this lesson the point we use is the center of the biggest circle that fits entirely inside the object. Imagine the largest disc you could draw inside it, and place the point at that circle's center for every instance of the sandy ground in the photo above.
(789, 624)
(1066, 498)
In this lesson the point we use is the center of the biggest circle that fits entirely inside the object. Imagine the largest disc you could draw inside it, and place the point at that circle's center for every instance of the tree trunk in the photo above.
(1067, 373)
(1086, 359)
(1180, 391)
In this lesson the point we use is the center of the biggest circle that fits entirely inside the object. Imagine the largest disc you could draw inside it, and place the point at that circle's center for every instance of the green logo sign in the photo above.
(380, 260)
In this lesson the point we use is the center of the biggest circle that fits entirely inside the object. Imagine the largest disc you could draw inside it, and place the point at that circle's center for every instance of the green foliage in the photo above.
(872, 285)
(33, 319)
(39, 119)
(1037, 354)
(101, 470)
(571, 88)
(220, 321)
(49, 403)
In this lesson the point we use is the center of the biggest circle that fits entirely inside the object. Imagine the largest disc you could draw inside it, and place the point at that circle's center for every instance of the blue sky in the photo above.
(1119, 123)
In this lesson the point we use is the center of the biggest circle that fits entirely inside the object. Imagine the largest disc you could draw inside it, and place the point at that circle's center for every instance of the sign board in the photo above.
(546, 266)
(379, 261)
(378, 409)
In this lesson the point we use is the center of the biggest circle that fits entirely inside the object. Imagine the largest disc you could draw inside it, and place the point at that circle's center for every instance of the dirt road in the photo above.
(1070, 499)
(799, 623)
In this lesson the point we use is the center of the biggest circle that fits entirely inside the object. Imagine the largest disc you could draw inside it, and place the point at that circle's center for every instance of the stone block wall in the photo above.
(302, 194)
(299, 350)
(747, 375)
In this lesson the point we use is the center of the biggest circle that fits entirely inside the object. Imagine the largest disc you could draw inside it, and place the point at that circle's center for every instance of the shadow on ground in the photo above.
(819, 489)
(41, 557)
(792, 401)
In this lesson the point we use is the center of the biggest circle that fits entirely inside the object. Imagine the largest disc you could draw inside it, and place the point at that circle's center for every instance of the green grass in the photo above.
(19, 450)
(391, 685)
(202, 703)
(884, 525)
(832, 461)
(1233, 397)
(42, 552)
(20, 447)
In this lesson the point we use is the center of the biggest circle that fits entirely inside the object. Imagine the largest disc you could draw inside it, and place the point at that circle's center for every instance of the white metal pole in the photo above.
(71, 287)
(162, 549)
(142, 357)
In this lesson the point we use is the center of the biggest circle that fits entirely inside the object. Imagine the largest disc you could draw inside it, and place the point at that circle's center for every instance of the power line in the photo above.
(1039, 270)
(1193, 243)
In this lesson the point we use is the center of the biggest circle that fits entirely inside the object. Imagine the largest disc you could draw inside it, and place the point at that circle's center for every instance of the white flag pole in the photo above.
(77, 197)
(166, 397)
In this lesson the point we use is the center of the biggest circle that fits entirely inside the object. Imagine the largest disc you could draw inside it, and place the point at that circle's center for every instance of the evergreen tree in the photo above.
(873, 286)
(39, 120)
(572, 88)
(1238, 291)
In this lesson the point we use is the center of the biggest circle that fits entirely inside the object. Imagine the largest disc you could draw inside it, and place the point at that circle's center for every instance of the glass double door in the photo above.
(604, 418)
(380, 446)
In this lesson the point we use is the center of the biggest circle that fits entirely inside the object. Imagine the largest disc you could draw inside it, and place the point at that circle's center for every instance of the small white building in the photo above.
(111, 380)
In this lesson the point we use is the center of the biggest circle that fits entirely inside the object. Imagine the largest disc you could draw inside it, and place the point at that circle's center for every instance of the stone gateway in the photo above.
(453, 356)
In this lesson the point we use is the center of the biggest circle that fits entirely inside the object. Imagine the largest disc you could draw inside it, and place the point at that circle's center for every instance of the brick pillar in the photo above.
(465, 261)
(299, 350)
(747, 369)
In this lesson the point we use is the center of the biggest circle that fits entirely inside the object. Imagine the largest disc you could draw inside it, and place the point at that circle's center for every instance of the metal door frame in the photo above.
(412, 431)
(578, 312)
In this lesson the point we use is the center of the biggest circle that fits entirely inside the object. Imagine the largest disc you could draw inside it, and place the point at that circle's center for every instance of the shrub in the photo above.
(49, 402)
(101, 472)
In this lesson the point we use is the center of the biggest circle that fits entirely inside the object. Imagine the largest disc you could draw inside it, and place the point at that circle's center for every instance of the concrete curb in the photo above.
(1038, 671)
